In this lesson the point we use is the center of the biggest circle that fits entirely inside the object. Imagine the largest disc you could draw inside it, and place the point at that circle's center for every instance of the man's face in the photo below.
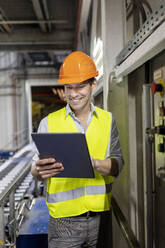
(78, 95)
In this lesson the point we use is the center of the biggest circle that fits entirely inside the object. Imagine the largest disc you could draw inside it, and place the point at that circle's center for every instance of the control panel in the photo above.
(158, 91)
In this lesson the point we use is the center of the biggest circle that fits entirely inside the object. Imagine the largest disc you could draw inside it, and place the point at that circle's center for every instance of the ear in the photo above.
(94, 85)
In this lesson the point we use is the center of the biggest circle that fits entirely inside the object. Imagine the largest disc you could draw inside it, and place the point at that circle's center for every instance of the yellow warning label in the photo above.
(163, 87)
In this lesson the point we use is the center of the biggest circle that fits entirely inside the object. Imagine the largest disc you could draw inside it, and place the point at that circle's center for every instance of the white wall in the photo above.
(12, 107)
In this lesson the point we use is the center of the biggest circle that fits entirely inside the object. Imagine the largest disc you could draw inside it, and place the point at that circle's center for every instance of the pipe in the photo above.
(39, 14)
(47, 13)
(4, 24)
(145, 2)
(77, 23)
(22, 22)
(10, 94)
(123, 224)
(149, 187)
(140, 7)
(153, 164)
(14, 110)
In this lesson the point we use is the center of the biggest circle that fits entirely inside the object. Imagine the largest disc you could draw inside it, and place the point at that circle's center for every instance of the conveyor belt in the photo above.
(7, 170)
(12, 168)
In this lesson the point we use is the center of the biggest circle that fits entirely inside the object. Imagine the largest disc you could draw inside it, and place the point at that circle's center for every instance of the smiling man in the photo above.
(77, 205)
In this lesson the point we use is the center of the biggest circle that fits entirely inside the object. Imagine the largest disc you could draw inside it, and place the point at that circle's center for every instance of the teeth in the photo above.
(76, 100)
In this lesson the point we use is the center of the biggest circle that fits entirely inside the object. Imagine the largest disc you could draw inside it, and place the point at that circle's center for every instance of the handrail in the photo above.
(124, 226)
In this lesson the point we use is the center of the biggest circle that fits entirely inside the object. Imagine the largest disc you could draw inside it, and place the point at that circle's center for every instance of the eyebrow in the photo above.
(74, 86)
(79, 84)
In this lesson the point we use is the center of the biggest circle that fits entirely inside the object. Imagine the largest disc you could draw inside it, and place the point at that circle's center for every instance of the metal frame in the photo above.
(124, 226)
(153, 45)
(40, 14)
(23, 22)
(153, 21)
(9, 192)
(149, 187)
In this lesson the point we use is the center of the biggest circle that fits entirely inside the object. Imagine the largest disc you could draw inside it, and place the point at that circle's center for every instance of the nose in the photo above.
(73, 91)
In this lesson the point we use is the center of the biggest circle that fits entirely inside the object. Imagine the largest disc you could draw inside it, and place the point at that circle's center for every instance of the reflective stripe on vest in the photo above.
(65, 196)
(98, 189)
(79, 192)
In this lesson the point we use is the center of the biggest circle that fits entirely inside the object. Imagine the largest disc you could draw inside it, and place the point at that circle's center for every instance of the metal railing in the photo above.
(7, 192)
(124, 226)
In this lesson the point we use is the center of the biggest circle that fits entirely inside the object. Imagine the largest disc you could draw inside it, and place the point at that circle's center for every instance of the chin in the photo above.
(75, 107)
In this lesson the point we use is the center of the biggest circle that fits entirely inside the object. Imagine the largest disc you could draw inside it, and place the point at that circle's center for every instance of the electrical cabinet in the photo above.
(158, 91)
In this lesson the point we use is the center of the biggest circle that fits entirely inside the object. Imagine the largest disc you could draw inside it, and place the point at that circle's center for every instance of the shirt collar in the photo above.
(69, 111)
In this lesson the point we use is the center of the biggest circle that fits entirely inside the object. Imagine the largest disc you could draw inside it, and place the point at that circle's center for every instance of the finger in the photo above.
(52, 172)
(49, 173)
(50, 166)
(45, 161)
(91, 159)
(54, 91)
(61, 94)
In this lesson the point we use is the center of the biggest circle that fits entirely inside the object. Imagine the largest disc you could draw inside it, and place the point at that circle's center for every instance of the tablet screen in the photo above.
(68, 148)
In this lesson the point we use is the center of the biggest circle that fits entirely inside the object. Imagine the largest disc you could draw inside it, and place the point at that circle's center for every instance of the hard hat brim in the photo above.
(79, 79)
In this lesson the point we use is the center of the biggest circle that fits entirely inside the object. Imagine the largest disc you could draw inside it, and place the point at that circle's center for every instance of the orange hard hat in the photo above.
(76, 68)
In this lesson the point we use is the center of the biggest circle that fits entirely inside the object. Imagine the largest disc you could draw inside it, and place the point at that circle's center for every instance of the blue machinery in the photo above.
(33, 233)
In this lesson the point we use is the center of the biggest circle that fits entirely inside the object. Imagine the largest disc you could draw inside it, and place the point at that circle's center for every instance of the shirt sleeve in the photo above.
(43, 128)
(114, 148)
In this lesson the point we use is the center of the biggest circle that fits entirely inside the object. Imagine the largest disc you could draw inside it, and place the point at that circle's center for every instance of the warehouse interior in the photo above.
(126, 39)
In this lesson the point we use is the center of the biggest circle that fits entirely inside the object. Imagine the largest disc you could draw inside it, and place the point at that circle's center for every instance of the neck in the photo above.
(82, 116)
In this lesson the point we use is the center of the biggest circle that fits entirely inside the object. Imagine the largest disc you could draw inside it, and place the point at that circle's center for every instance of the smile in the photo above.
(76, 100)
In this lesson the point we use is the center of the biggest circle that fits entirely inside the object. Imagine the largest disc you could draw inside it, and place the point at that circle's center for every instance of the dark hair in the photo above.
(91, 80)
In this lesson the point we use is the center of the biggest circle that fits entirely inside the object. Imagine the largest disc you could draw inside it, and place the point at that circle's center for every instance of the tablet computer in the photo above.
(68, 148)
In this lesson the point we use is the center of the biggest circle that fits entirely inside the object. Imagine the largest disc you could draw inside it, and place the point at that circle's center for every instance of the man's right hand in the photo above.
(46, 168)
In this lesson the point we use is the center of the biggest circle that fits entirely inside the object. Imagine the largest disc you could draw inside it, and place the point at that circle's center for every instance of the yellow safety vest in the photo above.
(69, 196)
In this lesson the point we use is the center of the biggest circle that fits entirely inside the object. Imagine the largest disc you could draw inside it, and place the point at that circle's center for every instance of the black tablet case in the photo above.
(69, 148)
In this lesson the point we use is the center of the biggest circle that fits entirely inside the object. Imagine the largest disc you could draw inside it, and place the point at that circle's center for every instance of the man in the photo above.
(77, 205)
